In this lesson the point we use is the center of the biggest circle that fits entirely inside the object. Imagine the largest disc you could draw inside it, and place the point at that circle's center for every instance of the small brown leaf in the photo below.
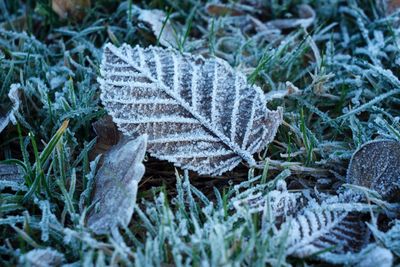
(70, 8)
(218, 9)
(116, 185)
(107, 136)
(376, 165)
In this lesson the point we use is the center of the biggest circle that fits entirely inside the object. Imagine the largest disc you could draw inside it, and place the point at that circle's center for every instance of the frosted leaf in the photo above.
(12, 176)
(391, 238)
(376, 165)
(378, 256)
(199, 113)
(42, 258)
(220, 9)
(315, 230)
(160, 25)
(371, 256)
(10, 116)
(306, 18)
(282, 203)
(116, 185)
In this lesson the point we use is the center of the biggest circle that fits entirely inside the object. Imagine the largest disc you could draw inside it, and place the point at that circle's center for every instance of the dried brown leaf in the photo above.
(107, 135)
(70, 8)
(219, 9)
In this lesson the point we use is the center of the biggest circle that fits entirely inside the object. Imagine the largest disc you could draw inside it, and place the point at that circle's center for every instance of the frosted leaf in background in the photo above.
(376, 165)
(307, 16)
(12, 176)
(116, 185)
(199, 113)
(161, 27)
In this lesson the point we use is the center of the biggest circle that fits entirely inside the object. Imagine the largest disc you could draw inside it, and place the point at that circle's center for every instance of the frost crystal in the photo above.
(116, 185)
(200, 114)
(376, 165)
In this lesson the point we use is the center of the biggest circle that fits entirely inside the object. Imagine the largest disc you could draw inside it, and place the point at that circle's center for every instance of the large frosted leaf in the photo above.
(116, 185)
(200, 114)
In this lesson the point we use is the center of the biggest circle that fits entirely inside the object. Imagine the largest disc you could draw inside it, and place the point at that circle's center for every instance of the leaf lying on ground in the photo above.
(306, 18)
(376, 256)
(116, 185)
(199, 113)
(11, 176)
(311, 226)
(161, 26)
(219, 9)
(70, 8)
(319, 228)
(391, 6)
(42, 257)
(107, 136)
(376, 165)
(10, 116)
(390, 239)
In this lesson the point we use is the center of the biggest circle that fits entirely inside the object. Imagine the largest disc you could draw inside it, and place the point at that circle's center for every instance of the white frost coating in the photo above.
(206, 106)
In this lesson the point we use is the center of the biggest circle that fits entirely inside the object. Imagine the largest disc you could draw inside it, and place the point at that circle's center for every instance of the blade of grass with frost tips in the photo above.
(42, 158)
(370, 103)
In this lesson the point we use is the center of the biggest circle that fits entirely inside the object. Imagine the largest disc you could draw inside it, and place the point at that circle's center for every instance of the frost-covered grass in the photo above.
(346, 65)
